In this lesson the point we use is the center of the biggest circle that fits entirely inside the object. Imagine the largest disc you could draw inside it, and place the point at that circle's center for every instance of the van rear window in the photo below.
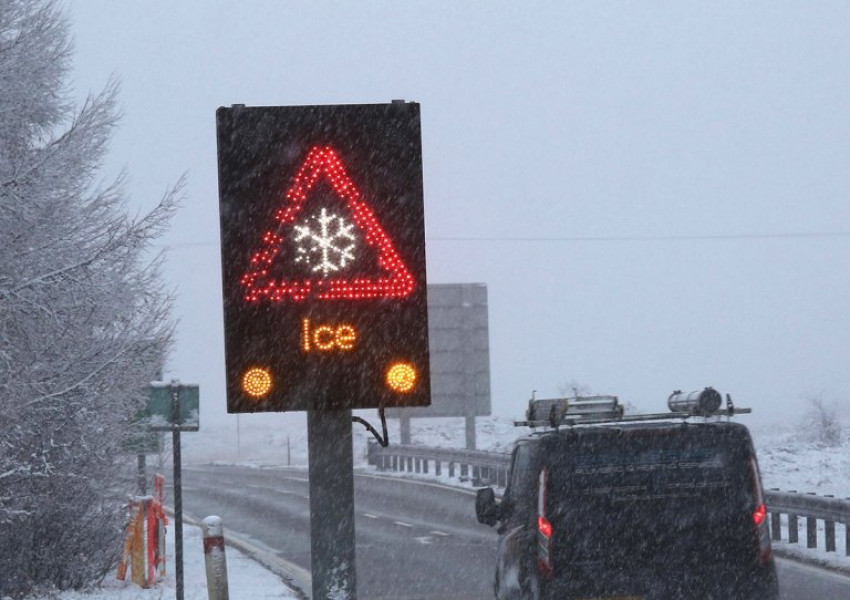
(649, 468)
(650, 474)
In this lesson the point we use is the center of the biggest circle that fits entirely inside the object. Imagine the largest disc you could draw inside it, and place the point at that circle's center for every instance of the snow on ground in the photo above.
(247, 579)
(788, 461)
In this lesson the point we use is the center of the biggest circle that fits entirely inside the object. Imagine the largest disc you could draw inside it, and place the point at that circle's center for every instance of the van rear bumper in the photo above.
(717, 583)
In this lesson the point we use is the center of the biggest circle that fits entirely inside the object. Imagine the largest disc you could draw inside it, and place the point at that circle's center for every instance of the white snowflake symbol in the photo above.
(328, 246)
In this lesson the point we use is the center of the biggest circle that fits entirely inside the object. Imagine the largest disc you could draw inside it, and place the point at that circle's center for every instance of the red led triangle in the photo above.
(395, 281)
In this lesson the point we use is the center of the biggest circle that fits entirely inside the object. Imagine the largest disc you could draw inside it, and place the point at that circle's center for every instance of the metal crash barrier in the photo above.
(812, 509)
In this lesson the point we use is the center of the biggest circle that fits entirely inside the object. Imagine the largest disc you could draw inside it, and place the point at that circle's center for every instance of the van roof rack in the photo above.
(587, 410)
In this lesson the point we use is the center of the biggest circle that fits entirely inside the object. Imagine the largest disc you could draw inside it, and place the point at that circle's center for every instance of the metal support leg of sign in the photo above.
(178, 490)
(141, 475)
(331, 463)
(470, 432)
(404, 428)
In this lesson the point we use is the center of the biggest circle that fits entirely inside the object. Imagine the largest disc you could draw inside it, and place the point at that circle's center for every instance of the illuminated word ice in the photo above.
(327, 338)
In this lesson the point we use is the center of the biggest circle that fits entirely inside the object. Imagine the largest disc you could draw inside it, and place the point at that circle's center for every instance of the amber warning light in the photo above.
(323, 257)
(257, 382)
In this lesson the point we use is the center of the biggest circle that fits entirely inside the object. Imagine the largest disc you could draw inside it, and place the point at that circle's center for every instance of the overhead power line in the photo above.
(646, 238)
(601, 238)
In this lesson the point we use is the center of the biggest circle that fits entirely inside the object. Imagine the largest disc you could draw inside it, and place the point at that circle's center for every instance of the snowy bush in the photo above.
(84, 319)
(820, 424)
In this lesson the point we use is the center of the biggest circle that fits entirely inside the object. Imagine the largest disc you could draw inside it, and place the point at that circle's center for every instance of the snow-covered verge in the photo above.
(247, 579)
(790, 462)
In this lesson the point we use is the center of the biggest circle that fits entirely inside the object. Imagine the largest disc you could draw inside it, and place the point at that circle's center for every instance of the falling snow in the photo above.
(325, 242)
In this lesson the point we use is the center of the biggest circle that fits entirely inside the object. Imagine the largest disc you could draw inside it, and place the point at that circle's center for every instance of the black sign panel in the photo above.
(323, 257)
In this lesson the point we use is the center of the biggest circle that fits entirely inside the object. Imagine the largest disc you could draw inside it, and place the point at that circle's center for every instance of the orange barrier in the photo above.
(144, 540)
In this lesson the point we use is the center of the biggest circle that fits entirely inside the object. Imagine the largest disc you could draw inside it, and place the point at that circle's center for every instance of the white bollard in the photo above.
(215, 559)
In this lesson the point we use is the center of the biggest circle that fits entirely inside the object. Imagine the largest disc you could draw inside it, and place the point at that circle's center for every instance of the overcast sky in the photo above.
(655, 193)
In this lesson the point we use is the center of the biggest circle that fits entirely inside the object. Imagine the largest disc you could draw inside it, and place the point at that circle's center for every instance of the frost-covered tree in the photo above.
(820, 423)
(84, 317)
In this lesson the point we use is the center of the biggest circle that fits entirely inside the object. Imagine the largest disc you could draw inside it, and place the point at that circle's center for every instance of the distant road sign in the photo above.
(160, 409)
(323, 257)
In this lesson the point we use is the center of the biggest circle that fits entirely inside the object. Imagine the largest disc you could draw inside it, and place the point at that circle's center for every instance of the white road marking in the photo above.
(370, 516)
(440, 533)
(426, 539)
(301, 479)
(271, 490)
(403, 524)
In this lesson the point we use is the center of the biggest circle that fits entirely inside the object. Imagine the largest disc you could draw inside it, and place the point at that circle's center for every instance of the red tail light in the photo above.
(760, 514)
(544, 527)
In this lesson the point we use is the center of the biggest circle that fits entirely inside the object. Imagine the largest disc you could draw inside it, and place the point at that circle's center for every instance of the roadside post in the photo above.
(175, 407)
(324, 287)
(178, 487)
(215, 560)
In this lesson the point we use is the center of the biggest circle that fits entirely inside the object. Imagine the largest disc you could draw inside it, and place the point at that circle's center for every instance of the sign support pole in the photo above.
(178, 489)
(141, 474)
(331, 464)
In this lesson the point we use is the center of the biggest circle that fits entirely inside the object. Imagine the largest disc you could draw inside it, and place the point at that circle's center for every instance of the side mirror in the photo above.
(486, 508)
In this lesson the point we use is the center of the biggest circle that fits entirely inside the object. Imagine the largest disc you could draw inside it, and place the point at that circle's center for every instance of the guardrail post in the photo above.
(846, 539)
(438, 470)
(776, 526)
(216, 563)
(829, 530)
(811, 532)
(409, 464)
(793, 533)
(371, 448)
(425, 465)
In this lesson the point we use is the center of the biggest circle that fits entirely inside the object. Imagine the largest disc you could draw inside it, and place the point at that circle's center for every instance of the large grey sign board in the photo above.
(459, 343)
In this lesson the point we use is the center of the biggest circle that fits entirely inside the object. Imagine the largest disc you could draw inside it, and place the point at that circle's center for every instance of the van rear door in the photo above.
(658, 498)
